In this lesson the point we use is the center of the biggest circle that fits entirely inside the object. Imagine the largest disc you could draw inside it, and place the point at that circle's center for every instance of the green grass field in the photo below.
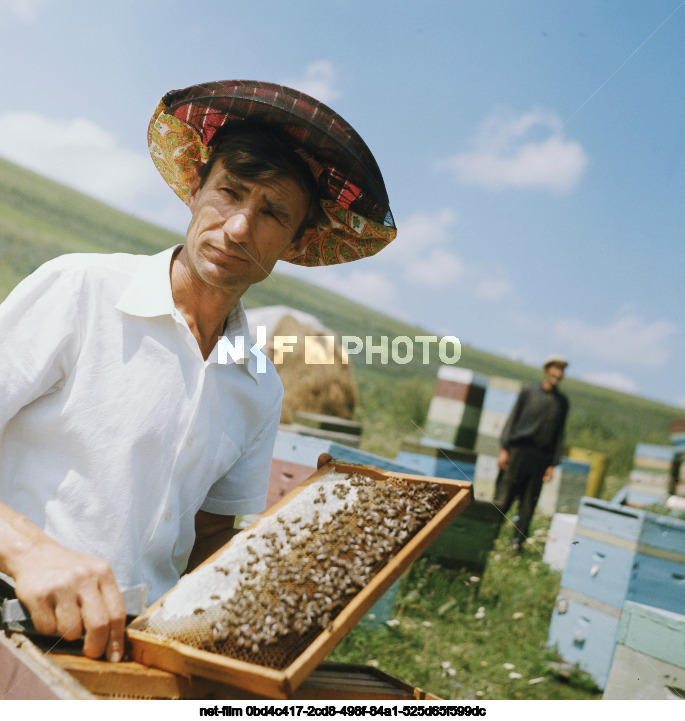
(458, 635)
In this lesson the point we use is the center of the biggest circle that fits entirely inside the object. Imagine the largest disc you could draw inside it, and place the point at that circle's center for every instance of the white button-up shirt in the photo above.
(114, 431)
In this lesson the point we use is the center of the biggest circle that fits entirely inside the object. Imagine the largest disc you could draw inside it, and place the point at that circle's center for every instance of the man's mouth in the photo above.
(229, 254)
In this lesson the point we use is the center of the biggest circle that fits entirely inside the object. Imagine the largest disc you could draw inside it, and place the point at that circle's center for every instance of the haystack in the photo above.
(317, 385)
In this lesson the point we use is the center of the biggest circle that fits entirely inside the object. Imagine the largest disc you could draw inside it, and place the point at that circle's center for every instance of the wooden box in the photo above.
(31, 672)
(583, 631)
(151, 650)
(559, 539)
(469, 538)
(649, 660)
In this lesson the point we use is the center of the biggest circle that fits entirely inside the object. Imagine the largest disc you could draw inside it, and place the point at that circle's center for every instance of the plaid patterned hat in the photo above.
(353, 195)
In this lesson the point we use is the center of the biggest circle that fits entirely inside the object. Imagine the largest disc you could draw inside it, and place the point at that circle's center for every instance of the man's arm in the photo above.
(212, 531)
(65, 592)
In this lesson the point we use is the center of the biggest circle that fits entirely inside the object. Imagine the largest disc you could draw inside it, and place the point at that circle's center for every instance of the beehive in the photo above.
(295, 458)
(618, 554)
(498, 402)
(268, 607)
(454, 411)
(649, 660)
(650, 478)
(432, 459)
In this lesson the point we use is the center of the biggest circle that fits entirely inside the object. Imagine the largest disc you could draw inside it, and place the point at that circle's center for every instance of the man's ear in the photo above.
(297, 247)
(192, 192)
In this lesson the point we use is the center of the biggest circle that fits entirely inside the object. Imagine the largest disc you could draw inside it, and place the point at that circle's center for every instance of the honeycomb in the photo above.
(275, 587)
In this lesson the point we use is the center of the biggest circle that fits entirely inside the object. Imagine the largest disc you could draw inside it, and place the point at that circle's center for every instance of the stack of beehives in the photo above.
(650, 478)
(455, 409)
(498, 402)
(618, 554)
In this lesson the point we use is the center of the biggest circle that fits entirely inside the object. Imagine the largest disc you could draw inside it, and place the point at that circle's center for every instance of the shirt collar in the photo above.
(149, 294)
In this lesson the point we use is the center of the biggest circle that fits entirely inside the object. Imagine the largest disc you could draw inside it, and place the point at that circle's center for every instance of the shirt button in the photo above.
(189, 442)
(167, 516)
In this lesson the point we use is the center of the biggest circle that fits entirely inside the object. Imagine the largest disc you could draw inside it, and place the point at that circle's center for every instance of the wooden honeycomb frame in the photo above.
(169, 655)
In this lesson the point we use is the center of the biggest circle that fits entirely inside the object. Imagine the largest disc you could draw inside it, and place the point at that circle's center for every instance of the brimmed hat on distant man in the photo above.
(358, 222)
(555, 360)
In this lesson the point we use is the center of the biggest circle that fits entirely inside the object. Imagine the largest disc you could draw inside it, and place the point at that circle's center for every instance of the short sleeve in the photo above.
(243, 489)
(40, 332)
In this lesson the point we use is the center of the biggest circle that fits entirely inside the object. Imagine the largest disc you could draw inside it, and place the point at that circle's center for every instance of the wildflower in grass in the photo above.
(427, 624)
(508, 666)
(392, 622)
(373, 662)
(513, 674)
(445, 664)
(480, 613)
(540, 679)
(517, 615)
(474, 579)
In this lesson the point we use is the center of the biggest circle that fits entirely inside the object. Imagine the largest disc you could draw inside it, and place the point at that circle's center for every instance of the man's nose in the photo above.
(238, 226)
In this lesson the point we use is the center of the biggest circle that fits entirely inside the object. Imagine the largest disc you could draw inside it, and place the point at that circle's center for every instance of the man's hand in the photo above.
(69, 593)
(548, 474)
(503, 459)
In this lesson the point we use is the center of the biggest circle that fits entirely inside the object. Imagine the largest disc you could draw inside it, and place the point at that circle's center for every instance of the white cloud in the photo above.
(615, 381)
(318, 81)
(26, 10)
(79, 154)
(628, 340)
(493, 288)
(505, 154)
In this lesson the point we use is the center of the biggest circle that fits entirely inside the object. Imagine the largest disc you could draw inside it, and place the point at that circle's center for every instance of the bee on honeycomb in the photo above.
(277, 586)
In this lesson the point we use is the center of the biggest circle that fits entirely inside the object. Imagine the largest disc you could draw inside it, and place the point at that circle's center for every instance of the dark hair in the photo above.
(258, 154)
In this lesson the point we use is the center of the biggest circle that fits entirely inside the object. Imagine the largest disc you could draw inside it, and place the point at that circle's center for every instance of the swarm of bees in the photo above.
(271, 592)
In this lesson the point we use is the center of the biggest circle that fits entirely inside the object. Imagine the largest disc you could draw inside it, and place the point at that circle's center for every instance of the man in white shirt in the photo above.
(126, 441)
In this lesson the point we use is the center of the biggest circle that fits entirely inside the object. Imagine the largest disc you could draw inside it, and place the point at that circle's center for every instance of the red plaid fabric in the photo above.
(351, 177)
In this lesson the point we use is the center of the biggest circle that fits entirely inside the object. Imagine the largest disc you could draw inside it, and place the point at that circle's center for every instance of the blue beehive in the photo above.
(440, 460)
(660, 577)
(618, 554)
(649, 660)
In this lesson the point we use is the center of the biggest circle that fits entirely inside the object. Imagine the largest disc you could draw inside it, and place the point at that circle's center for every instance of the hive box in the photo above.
(30, 672)
(618, 554)
(441, 461)
(649, 660)
(652, 471)
(559, 538)
(469, 539)
(498, 402)
(563, 493)
(454, 411)
(485, 476)
(295, 457)
(597, 463)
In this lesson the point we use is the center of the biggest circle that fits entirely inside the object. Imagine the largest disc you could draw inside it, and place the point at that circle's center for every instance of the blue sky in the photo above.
(533, 151)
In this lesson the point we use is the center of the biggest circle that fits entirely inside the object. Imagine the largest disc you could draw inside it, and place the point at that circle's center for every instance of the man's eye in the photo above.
(271, 214)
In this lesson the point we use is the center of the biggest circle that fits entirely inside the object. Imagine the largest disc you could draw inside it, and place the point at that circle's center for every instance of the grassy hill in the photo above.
(40, 219)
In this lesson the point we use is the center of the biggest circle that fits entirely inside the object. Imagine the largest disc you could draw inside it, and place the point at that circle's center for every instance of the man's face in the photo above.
(240, 228)
(553, 374)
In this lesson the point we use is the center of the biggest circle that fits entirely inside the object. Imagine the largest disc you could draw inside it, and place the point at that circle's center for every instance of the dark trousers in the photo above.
(522, 481)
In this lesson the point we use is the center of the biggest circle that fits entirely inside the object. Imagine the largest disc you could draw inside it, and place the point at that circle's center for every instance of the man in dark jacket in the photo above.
(531, 445)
